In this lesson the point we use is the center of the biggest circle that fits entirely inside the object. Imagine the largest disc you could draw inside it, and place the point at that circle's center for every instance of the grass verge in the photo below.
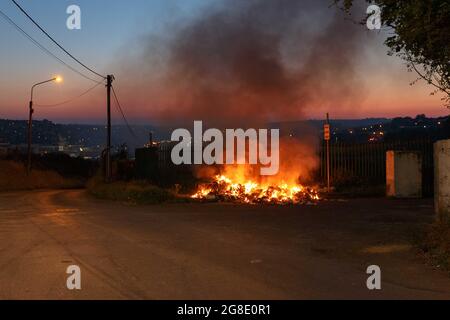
(13, 177)
(134, 192)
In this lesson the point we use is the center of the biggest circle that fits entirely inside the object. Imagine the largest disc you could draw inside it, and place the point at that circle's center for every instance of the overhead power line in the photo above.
(55, 42)
(41, 47)
(119, 107)
(109, 79)
(70, 100)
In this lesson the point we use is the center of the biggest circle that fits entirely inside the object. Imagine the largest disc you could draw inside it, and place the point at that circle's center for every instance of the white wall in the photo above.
(442, 178)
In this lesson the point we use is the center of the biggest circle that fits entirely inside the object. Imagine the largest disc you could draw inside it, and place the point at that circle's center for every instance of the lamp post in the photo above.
(30, 119)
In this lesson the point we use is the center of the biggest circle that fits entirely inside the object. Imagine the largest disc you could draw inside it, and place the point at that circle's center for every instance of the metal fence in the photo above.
(155, 164)
(361, 164)
(366, 162)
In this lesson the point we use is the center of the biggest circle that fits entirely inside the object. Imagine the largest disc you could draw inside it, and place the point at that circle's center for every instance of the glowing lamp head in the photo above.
(58, 79)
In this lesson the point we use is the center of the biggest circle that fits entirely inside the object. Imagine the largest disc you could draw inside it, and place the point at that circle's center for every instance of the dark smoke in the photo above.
(254, 60)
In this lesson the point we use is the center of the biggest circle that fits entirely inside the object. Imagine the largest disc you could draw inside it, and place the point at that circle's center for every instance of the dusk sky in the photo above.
(117, 36)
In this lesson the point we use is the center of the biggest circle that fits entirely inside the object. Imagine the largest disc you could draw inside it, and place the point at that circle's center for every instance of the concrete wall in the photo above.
(403, 174)
(442, 178)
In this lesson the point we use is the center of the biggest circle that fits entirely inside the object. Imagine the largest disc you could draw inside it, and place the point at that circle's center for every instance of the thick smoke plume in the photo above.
(248, 63)
(255, 60)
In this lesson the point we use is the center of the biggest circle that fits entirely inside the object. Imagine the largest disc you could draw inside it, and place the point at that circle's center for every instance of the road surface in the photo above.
(212, 251)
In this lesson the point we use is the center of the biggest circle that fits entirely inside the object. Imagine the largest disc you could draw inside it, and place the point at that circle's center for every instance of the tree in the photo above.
(421, 37)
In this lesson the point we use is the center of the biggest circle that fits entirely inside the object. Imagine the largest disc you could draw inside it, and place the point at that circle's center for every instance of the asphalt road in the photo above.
(212, 251)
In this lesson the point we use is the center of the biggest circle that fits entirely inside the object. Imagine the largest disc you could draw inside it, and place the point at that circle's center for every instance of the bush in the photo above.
(13, 176)
(61, 163)
(137, 192)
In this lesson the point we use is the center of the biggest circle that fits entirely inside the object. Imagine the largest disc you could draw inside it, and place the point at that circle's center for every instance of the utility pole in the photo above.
(327, 134)
(30, 127)
(108, 164)
(30, 119)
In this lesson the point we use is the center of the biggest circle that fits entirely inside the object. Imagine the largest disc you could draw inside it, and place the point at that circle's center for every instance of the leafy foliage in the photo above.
(421, 37)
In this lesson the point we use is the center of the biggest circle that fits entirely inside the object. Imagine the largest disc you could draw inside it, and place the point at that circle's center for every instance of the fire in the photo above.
(245, 184)
(225, 189)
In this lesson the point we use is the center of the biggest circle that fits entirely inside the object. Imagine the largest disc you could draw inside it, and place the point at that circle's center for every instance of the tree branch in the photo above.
(429, 80)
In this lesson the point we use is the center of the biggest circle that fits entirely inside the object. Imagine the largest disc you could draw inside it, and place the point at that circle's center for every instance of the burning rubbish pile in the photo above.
(245, 184)
(225, 189)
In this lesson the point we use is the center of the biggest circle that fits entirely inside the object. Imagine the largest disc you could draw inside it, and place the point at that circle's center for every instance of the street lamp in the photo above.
(30, 121)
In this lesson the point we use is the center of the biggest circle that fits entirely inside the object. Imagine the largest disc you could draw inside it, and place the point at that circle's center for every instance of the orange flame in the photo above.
(226, 189)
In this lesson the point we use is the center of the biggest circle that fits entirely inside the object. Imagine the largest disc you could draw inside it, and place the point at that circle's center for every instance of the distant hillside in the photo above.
(47, 133)
(338, 123)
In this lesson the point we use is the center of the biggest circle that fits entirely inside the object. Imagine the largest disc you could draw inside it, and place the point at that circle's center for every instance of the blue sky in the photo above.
(107, 27)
